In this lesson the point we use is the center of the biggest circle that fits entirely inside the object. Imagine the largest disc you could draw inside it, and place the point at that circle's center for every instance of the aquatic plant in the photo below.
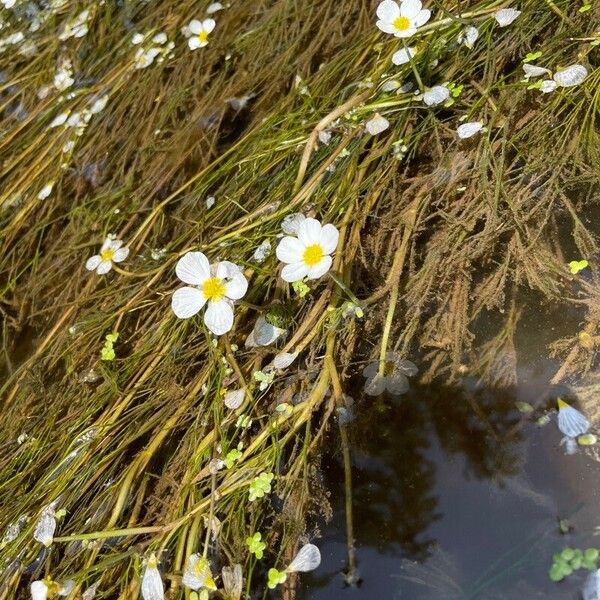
(111, 123)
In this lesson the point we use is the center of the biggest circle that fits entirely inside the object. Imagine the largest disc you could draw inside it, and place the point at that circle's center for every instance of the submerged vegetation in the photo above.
(458, 173)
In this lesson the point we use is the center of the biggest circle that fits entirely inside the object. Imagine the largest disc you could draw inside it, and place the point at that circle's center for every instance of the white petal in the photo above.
(320, 269)
(469, 36)
(234, 399)
(193, 267)
(403, 56)
(106, 244)
(187, 301)
(39, 590)
(436, 95)
(570, 421)
(236, 282)
(329, 238)
(386, 27)
(195, 26)
(294, 272)
(309, 231)
(45, 527)
(571, 75)
(121, 254)
(114, 245)
(195, 43)
(208, 25)
(375, 385)
(218, 317)
(263, 333)
(307, 559)
(548, 86)
(284, 359)
(290, 250)
(196, 572)
(410, 8)
(291, 223)
(152, 585)
(467, 130)
(377, 124)
(406, 33)
(388, 10)
(534, 71)
(506, 16)
(92, 263)
(104, 267)
(214, 7)
(422, 18)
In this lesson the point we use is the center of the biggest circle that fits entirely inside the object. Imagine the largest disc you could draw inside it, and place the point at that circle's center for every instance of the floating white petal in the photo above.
(570, 421)
(45, 527)
(263, 334)
(377, 124)
(307, 559)
(506, 16)
(469, 36)
(234, 399)
(534, 71)
(39, 590)
(290, 224)
(467, 130)
(284, 359)
(547, 86)
(403, 56)
(436, 95)
(571, 76)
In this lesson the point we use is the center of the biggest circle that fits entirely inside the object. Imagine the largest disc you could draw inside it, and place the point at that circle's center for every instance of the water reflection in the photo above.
(454, 499)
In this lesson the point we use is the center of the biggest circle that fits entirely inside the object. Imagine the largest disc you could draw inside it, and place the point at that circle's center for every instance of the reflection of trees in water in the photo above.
(394, 480)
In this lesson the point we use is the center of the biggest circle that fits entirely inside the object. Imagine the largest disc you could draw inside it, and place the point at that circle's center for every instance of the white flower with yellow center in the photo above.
(216, 285)
(199, 31)
(309, 254)
(111, 252)
(402, 20)
(152, 585)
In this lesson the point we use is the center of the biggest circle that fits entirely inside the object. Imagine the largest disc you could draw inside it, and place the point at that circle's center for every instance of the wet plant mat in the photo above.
(213, 214)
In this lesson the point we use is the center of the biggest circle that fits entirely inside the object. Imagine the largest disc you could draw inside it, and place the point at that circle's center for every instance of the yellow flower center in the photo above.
(313, 255)
(107, 254)
(401, 23)
(203, 37)
(214, 289)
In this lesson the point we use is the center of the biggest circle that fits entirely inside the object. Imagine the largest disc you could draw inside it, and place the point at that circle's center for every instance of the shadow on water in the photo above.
(452, 501)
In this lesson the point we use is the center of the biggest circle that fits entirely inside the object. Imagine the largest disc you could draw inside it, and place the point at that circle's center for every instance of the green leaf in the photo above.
(555, 574)
(275, 578)
(531, 56)
(585, 8)
(591, 554)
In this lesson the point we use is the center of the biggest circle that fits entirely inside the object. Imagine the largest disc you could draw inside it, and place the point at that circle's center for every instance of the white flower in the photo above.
(137, 39)
(234, 399)
(214, 7)
(468, 37)
(436, 95)
(45, 191)
(263, 334)
(110, 252)
(210, 202)
(547, 86)
(377, 124)
(152, 586)
(401, 20)
(505, 16)
(199, 31)
(307, 559)
(218, 285)
(291, 223)
(261, 253)
(197, 573)
(467, 130)
(570, 76)
(403, 56)
(45, 526)
(39, 590)
(160, 38)
(534, 71)
(284, 359)
(309, 254)
(570, 421)
(8, 3)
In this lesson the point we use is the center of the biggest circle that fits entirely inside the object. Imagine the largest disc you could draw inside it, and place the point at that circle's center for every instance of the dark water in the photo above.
(454, 500)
